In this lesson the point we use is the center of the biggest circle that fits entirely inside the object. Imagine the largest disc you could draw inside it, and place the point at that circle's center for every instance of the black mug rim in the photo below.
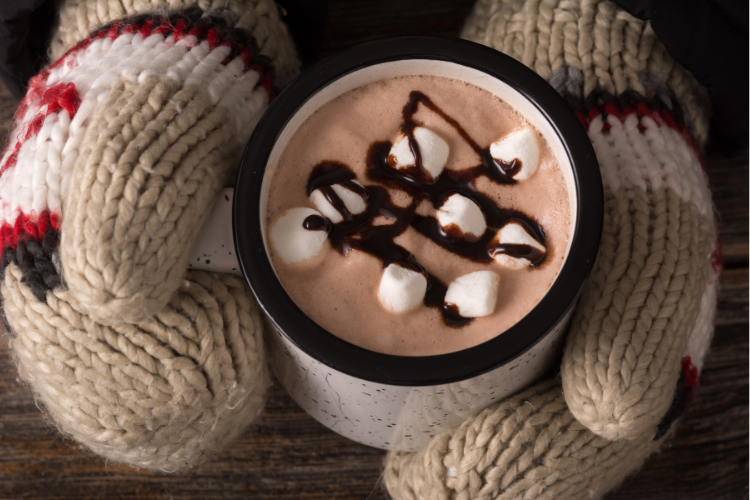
(417, 370)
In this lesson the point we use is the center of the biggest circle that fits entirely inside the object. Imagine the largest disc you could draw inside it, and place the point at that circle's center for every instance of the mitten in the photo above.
(643, 323)
(526, 447)
(120, 149)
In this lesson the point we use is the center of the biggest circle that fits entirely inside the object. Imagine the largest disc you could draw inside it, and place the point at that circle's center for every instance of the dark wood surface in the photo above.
(290, 456)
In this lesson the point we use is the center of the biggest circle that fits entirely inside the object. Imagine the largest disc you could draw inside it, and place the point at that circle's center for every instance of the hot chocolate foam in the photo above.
(436, 113)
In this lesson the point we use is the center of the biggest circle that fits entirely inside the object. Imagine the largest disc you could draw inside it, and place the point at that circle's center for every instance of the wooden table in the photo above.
(288, 455)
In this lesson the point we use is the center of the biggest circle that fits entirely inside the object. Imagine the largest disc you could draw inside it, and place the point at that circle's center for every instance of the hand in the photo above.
(643, 323)
(119, 150)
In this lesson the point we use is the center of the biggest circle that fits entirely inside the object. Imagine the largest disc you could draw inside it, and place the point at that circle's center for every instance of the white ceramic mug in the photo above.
(387, 401)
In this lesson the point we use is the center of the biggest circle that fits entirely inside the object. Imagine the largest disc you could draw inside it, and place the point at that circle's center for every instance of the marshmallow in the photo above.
(295, 244)
(462, 212)
(514, 233)
(474, 294)
(352, 201)
(401, 289)
(433, 149)
(521, 145)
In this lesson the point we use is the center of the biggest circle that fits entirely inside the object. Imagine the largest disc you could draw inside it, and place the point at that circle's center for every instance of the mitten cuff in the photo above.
(601, 52)
(78, 18)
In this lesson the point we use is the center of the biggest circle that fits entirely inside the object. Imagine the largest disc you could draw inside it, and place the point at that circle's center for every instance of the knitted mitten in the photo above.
(120, 149)
(526, 447)
(644, 321)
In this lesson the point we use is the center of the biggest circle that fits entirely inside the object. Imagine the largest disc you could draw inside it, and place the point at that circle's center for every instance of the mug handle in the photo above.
(214, 247)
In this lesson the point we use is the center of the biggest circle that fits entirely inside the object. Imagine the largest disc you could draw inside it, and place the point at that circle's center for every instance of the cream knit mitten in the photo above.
(120, 149)
(643, 324)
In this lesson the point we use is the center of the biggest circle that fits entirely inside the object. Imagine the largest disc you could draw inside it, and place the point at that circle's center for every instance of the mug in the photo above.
(382, 400)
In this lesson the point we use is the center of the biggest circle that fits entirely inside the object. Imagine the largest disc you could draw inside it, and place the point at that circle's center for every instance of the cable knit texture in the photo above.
(630, 331)
(162, 136)
(642, 326)
(527, 447)
(119, 151)
(165, 393)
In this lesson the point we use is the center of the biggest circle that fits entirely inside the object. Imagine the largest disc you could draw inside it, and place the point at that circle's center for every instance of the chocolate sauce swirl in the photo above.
(499, 171)
(358, 231)
(328, 173)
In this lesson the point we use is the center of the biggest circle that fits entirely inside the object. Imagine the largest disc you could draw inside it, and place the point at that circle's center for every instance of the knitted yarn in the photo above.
(630, 332)
(631, 329)
(609, 48)
(643, 324)
(158, 133)
(77, 18)
(120, 148)
(526, 447)
(165, 393)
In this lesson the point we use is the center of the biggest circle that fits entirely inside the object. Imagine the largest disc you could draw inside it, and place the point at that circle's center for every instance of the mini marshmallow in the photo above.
(433, 149)
(352, 201)
(463, 213)
(401, 289)
(474, 294)
(292, 242)
(522, 145)
(514, 233)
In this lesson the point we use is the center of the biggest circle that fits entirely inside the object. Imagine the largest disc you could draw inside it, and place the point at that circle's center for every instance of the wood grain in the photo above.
(288, 455)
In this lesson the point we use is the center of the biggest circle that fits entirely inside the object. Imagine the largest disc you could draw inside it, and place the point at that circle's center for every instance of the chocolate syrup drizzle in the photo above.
(358, 232)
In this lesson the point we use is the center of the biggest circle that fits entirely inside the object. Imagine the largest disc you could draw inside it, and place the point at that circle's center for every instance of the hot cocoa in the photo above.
(417, 215)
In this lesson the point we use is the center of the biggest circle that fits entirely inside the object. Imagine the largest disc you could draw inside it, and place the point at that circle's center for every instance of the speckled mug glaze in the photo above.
(399, 402)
